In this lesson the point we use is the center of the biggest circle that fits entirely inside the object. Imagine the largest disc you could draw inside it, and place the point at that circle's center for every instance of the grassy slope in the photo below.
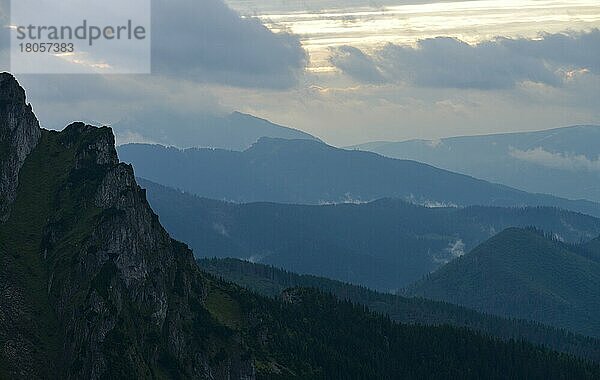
(43, 173)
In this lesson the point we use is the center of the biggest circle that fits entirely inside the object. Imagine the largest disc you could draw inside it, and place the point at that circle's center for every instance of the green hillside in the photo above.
(523, 274)
(271, 281)
(309, 334)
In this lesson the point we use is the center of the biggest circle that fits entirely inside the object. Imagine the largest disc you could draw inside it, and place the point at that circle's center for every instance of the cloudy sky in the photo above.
(351, 71)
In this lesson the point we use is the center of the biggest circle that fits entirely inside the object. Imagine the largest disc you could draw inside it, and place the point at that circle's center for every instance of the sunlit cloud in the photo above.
(501, 63)
(337, 23)
(221, 76)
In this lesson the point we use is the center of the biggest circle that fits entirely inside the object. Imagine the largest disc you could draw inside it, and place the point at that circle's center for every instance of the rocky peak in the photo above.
(10, 90)
(99, 144)
(19, 134)
(117, 294)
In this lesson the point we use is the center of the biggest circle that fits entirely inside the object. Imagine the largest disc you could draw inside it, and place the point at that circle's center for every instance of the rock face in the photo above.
(19, 134)
(83, 255)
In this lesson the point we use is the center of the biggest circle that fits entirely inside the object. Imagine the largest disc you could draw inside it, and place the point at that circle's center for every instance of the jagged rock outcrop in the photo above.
(83, 255)
(19, 134)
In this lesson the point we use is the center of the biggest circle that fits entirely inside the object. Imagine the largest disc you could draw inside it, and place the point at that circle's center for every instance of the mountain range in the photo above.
(385, 244)
(564, 162)
(522, 273)
(236, 131)
(92, 286)
(311, 172)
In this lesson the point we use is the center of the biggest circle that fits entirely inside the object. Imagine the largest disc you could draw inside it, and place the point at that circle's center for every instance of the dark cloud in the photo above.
(574, 50)
(207, 41)
(450, 63)
(357, 64)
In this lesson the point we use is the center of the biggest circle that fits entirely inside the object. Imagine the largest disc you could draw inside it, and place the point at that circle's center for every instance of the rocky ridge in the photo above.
(127, 302)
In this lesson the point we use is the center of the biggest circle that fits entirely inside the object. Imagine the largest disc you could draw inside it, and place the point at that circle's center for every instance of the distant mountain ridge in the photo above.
(311, 172)
(236, 131)
(385, 244)
(564, 161)
(523, 274)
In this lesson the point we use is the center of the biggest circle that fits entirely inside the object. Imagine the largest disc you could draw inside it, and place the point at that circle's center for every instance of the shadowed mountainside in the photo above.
(522, 274)
(271, 281)
(386, 244)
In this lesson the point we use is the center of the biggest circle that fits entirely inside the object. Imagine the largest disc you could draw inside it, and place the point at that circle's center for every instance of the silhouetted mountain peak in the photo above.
(10, 90)
(312, 172)
(236, 131)
(101, 142)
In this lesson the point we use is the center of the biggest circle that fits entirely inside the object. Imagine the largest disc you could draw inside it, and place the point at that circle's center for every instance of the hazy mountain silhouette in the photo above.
(311, 172)
(564, 162)
(236, 131)
(384, 244)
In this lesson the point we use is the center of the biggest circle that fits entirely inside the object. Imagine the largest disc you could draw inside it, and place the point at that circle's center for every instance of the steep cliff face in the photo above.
(91, 284)
(19, 134)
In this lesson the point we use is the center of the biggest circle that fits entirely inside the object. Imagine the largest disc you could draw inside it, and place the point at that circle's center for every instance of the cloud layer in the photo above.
(502, 63)
(210, 61)
(357, 64)
(207, 42)
(561, 161)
